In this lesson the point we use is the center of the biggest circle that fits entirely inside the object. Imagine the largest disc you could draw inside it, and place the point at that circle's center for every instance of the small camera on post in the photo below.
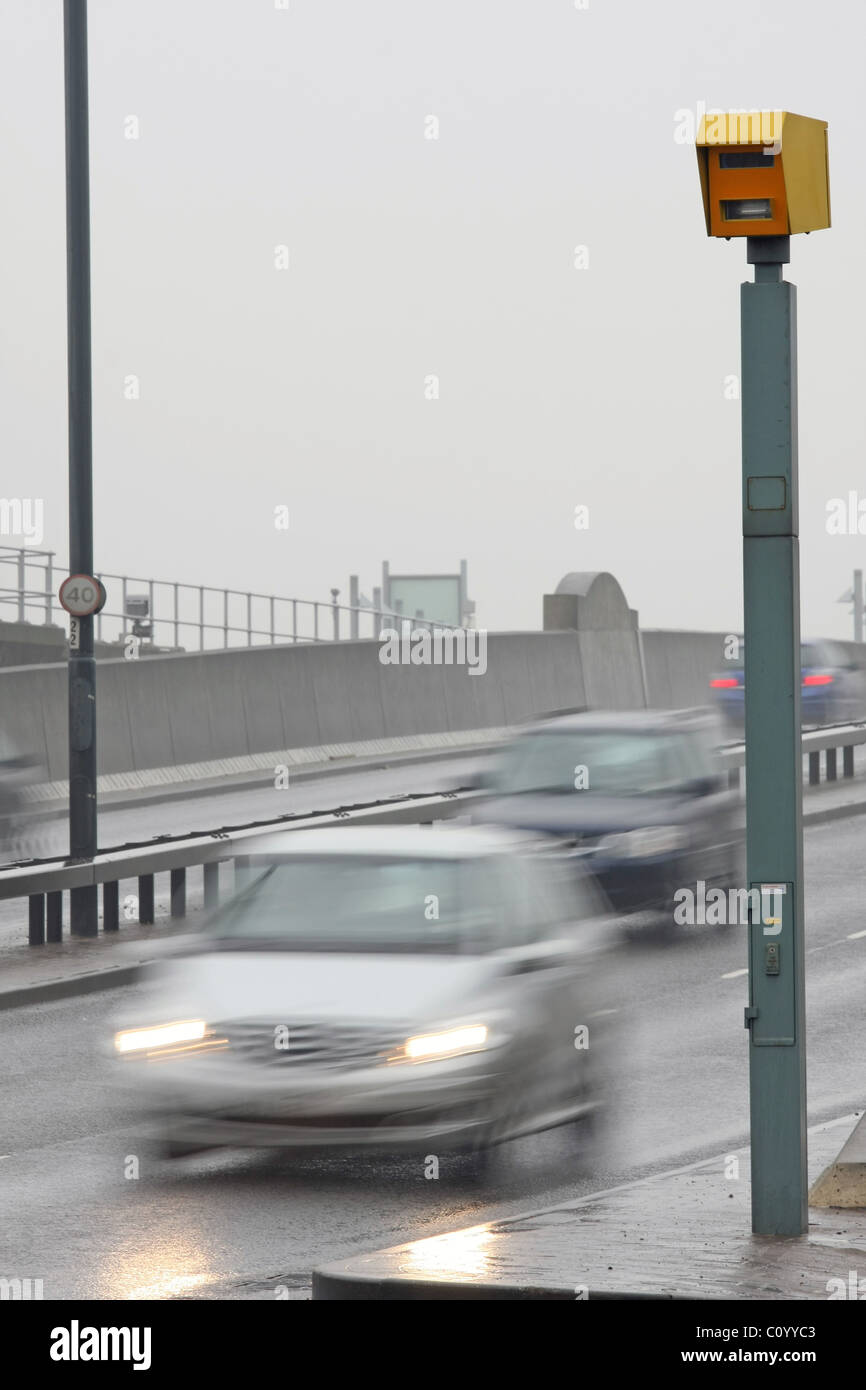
(138, 609)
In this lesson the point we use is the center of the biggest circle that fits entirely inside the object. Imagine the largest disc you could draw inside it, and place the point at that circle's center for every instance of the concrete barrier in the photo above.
(200, 708)
(679, 666)
(221, 704)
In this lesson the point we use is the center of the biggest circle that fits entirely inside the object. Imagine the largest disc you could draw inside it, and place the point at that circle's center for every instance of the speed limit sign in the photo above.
(82, 595)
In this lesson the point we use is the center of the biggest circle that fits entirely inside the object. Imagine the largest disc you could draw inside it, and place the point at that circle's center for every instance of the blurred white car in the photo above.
(379, 989)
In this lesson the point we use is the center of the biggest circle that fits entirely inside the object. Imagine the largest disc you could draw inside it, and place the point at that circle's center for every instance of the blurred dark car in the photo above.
(379, 989)
(639, 797)
(832, 691)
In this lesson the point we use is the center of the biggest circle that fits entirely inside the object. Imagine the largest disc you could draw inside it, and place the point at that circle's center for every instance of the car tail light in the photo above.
(817, 680)
(725, 683)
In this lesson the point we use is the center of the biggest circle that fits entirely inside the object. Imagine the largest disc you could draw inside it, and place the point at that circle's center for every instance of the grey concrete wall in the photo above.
(24, 644)
(212, 705)
(679, 666)
(612, 666)
(856, 653)
(178, 709)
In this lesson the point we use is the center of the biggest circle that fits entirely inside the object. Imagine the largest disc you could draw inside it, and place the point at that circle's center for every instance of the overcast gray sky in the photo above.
(260, 127)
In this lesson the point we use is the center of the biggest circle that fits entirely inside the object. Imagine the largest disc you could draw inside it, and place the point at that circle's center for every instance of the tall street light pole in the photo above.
(82, 669)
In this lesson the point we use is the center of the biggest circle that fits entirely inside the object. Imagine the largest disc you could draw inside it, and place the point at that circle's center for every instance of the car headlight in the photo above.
(167, 1039)
(453, 1042)
(643, 844)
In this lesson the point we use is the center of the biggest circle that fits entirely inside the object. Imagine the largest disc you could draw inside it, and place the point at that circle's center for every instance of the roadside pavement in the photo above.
(683, 1234)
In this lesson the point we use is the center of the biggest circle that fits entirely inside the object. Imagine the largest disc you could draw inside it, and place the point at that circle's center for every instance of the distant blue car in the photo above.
(833, 687)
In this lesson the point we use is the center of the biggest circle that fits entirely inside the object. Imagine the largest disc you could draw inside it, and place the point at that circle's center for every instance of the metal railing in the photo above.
(826, 740)
(23, 598)
(184, 617)
(45, 883)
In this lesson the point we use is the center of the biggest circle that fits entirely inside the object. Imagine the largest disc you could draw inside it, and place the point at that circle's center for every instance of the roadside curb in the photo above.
(89, 983)
(830, 813)
(329, 1286)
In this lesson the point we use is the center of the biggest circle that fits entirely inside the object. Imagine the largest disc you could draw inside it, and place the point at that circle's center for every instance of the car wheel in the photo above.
(478, 1162)
(587, 1138)
(589, 1129)
(493, 1151)
(663, 918)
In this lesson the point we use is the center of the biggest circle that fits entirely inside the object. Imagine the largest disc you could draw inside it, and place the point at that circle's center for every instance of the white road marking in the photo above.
(732, 974)
(855, 935)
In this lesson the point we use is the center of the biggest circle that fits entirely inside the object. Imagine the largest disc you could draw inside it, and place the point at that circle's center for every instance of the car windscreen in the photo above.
(359, 903)
(611, 763)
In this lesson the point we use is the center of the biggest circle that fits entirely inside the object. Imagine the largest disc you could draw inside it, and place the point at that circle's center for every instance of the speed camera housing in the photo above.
(763, 173)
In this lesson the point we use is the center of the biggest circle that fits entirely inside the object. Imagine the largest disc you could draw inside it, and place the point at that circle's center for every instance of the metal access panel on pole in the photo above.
(774, 818)
(82, 667)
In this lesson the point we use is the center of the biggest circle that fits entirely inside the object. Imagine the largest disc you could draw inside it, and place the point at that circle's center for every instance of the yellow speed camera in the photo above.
(763, 173)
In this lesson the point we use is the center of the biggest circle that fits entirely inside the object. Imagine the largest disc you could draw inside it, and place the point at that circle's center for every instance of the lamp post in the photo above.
(83, 909)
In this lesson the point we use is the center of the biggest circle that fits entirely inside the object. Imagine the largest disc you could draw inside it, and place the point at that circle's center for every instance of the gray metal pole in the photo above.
(354, 603)
(22, 584)
(49, 586)
(858, 605)
(775, 1016)
(82, 668)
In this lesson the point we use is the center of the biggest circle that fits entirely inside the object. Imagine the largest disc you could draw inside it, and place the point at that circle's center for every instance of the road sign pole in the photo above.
(82, 670)
(774, 816)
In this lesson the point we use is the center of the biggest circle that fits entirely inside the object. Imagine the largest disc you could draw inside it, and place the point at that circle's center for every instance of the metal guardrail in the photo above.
(45, 882)
(826, 740)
